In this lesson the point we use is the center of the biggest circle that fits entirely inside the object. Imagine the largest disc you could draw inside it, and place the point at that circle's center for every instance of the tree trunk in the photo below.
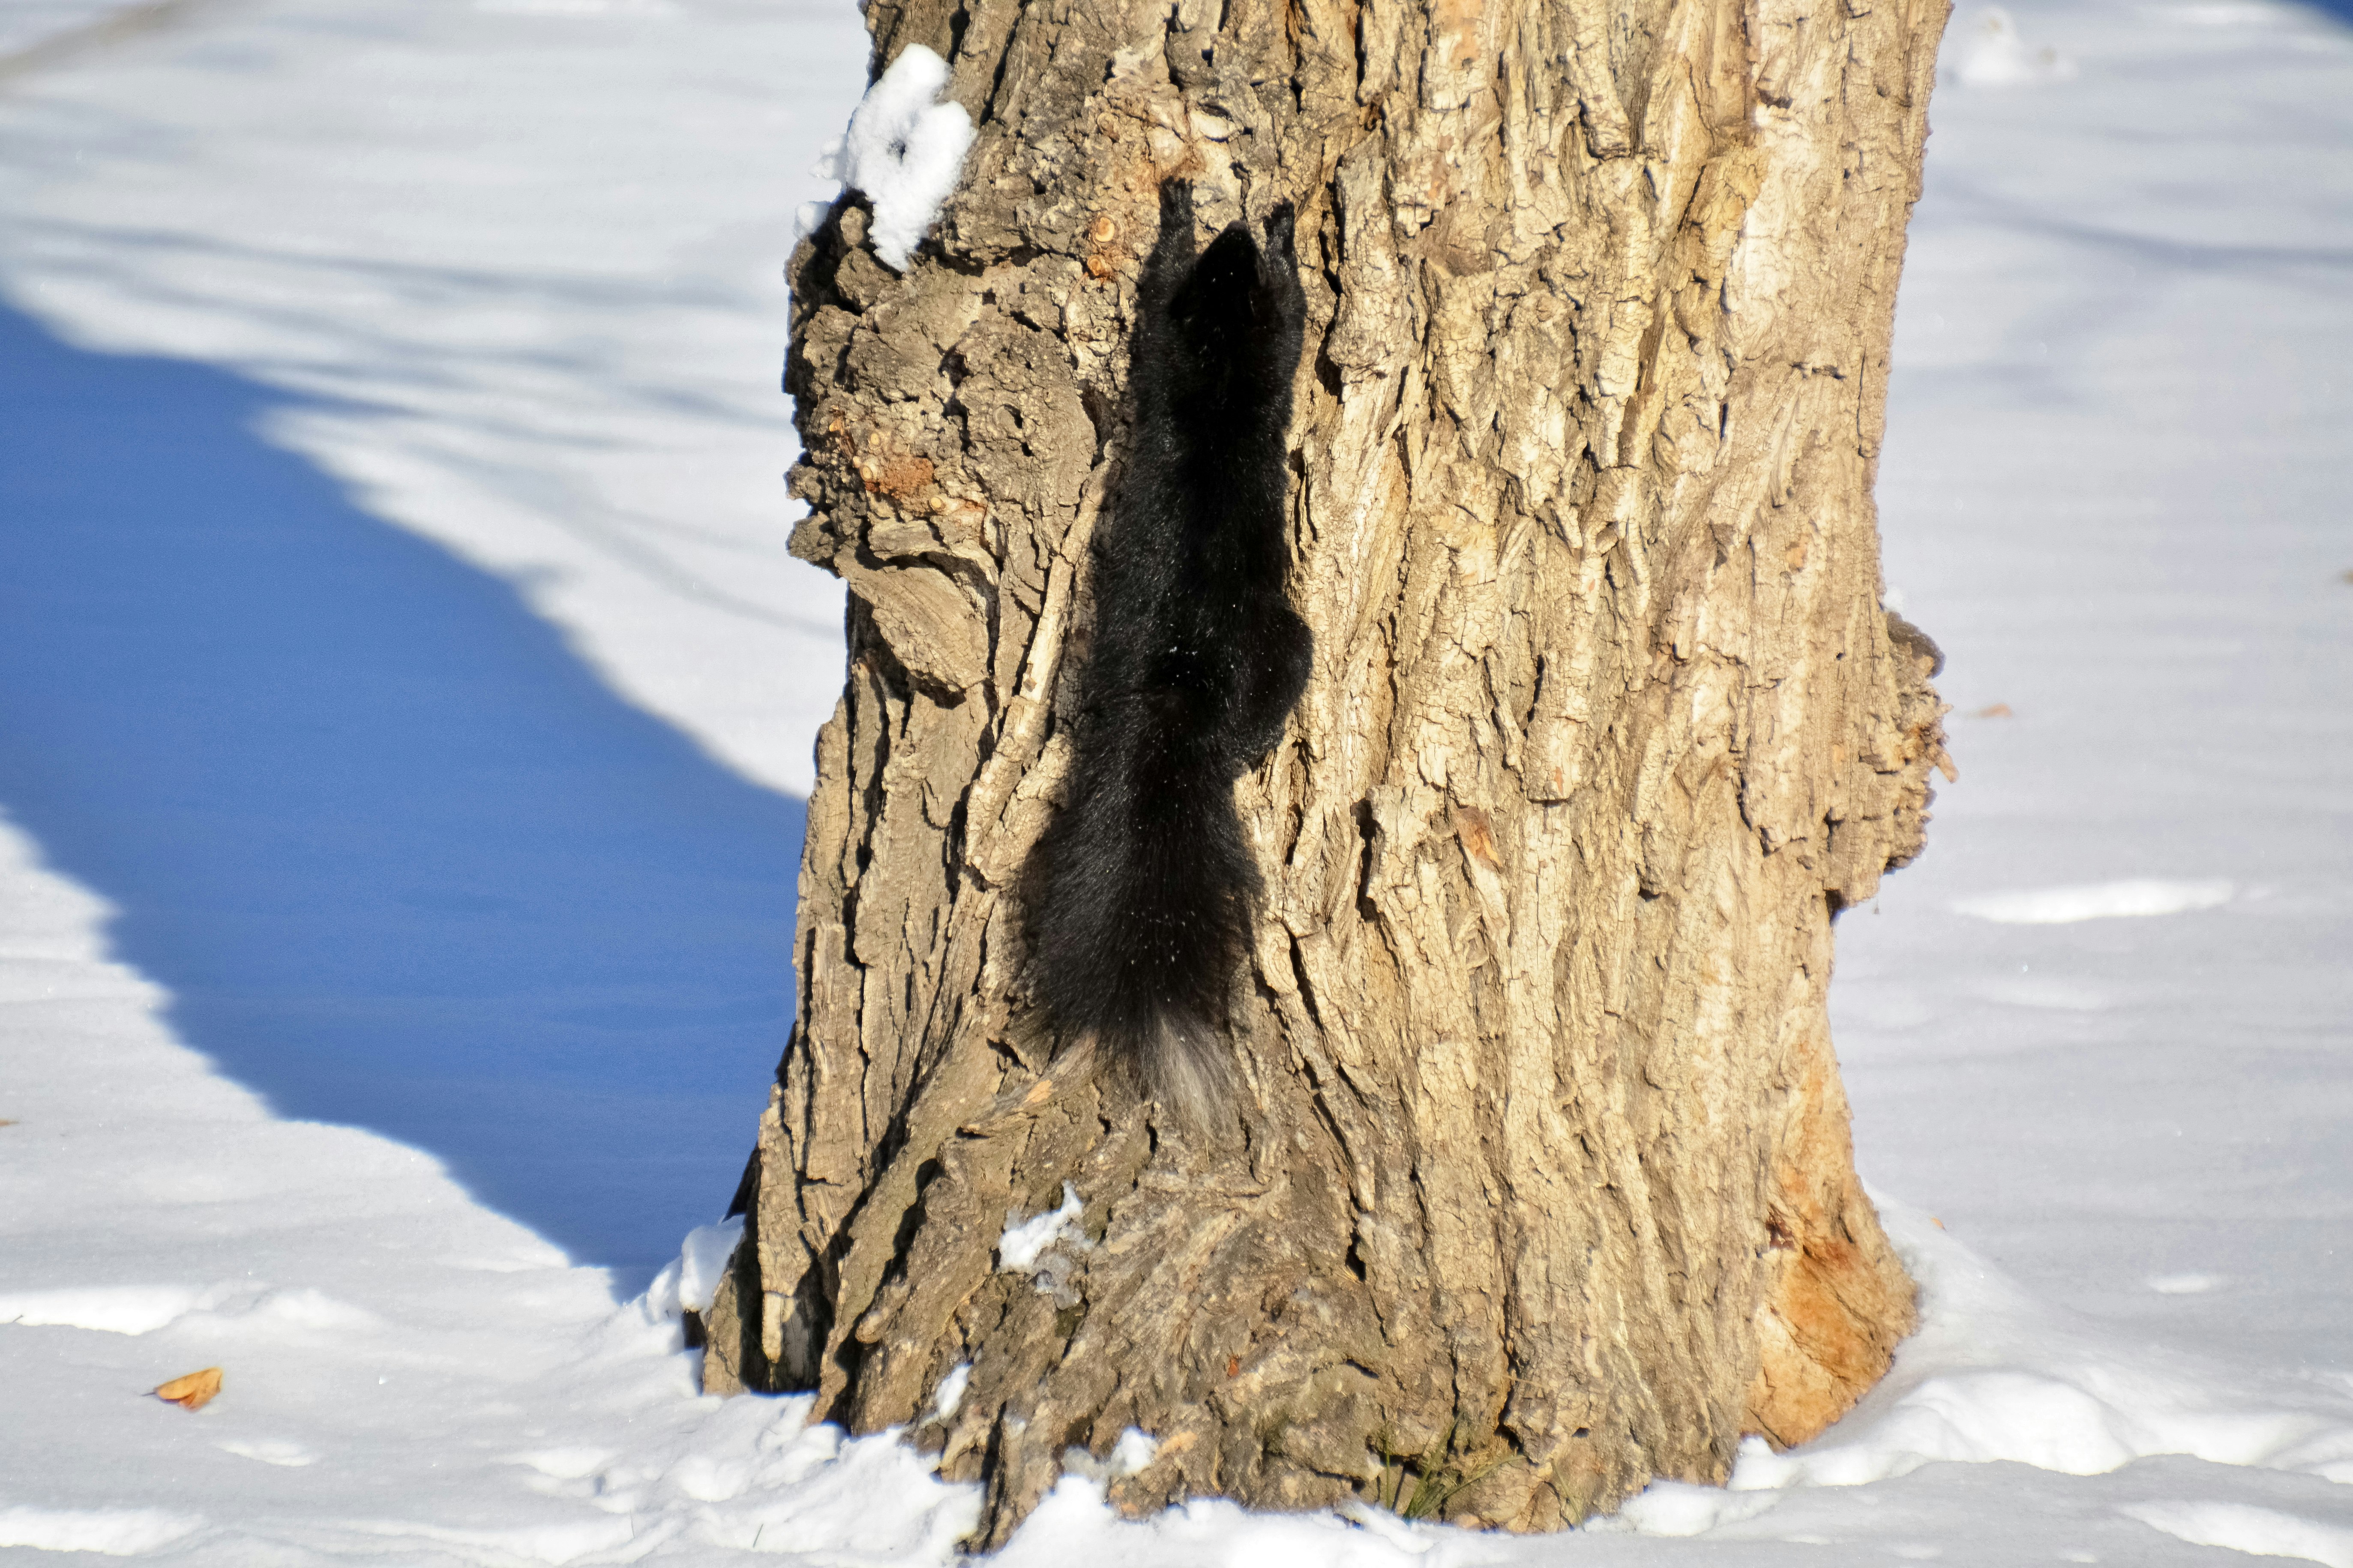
(1545, 1186)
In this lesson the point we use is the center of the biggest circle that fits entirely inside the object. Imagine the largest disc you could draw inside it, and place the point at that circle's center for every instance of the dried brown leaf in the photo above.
(193, 1391)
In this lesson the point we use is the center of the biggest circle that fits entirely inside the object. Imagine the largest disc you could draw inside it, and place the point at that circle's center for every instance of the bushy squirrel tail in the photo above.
(1150, 892)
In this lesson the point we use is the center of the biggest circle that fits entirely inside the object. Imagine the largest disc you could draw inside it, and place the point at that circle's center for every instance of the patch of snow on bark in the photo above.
(905, 151)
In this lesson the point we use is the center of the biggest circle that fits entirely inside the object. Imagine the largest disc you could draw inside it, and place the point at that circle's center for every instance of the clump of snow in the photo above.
(1134, 1453)
(1131, 1454)
(904, 149)
(950, 1393)
(1994, 54)
(689, 1281)
(702, 1261)
(1025, 1240)
(2096, 902)
(1044, 1246)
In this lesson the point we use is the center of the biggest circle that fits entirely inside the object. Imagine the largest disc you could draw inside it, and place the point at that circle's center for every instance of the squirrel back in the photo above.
(1149, 890)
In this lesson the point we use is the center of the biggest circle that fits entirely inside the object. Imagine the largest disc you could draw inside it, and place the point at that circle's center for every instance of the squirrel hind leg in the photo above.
(1281, 663)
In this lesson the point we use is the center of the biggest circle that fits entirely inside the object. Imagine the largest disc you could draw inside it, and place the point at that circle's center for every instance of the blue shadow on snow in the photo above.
(402, 860)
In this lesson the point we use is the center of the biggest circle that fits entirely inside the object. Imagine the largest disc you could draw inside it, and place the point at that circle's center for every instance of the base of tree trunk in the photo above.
(1285, 1429)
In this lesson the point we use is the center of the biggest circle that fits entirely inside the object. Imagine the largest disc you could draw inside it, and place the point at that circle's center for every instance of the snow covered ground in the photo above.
(405, 689)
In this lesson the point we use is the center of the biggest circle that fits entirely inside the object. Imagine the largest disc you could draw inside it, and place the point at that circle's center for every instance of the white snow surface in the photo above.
(523, 264)
(505, 272)
(2096, 902)
(1991, 53)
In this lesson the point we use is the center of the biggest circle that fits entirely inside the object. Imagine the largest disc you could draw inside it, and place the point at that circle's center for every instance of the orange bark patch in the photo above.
(1477, 831)
(895, 474)
(1834, 1310)
(883, 469)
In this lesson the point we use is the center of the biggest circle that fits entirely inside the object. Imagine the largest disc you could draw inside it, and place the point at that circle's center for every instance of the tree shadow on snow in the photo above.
(401, 859)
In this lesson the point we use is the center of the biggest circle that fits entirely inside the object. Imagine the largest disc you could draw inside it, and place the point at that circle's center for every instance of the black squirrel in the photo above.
(1148, 888)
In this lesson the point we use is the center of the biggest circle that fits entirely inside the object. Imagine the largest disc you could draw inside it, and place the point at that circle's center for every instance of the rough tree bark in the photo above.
(1546, 1187)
